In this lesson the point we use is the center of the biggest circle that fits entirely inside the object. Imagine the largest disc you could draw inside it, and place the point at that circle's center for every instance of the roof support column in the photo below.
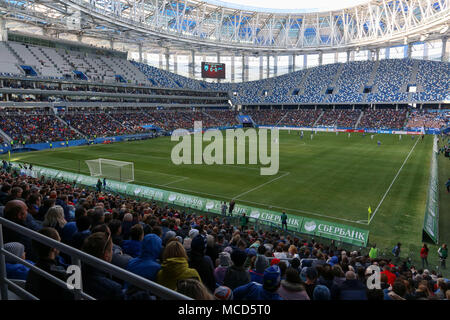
(348, 56)
(275, 65)
(261, 67)
(140, 52)
(192, 64)
(218, 61)
(175, 63)
(3, 30)
(320, 58)
(445, 50)
(408, 51)
(232, 68)
(268, 66)
(244, 67)
(167, 56)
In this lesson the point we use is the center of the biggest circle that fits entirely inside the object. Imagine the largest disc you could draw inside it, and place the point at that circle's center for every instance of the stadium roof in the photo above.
(287, 6)
(182, 25)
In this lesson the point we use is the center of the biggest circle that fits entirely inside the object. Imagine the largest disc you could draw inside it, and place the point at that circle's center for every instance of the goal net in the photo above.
(111, 169)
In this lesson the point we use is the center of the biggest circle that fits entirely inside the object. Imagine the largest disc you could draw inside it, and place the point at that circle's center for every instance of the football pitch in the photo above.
(330, 177)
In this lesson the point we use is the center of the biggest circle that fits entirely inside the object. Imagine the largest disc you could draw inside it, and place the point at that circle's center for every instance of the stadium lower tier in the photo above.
(35, 125)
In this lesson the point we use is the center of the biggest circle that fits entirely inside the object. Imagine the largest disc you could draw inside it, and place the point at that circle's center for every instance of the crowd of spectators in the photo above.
(383, 119)
(428, 119)
(34, 125)
(202, 257)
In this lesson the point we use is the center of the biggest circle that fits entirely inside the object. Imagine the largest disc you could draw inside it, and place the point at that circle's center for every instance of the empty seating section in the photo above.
(34, 125)
(351, 81)
(383, 119)
(433, 79)
(391, 77)
(8, 62)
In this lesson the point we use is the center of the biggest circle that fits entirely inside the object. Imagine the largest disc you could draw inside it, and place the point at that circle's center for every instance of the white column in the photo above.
(3, 30)
(111, 44)
(175, 63)
(305, 61)
(408, 50)
(275, 65)
(218, 61)
(268, 66)
(191, 65)
(261, 67)
(167, 57)
(140, 52)
(320, 58)
(445, 49)
(232, 68)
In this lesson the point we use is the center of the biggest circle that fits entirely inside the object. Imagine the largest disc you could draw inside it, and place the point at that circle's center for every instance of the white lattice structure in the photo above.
(111, 169)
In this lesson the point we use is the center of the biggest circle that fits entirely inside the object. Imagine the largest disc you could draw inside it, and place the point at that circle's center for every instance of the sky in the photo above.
(315, 5)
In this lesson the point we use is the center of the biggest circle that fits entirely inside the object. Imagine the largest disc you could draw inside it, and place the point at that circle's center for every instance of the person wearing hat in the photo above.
(292, 288)
(14, 269)
(257, 274)
(321, 292)
(188, 240)
(223, 293)
(266, 291)
(237, 275)
(146, 265)
(224, 263)
(202, 263)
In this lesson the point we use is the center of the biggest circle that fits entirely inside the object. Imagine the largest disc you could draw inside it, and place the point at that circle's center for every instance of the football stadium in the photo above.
(224, 150)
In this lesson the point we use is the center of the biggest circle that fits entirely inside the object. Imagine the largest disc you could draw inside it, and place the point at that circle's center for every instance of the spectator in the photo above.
(257, 274)
(237, 275)
(391, 276)
(292, 288)
(443, 254)
(321, 292)
(351, 288)
(256, 291)
(39, 286)
(194, 289)
(424, 255)
(54, 218)
(146, 265)
(224, 263)
(16, 270)
(223, 293)
(311, 281)
(133, 246)
(83, 231)
(175, 266)
(373, 253)
(202, 263)
(98, 283)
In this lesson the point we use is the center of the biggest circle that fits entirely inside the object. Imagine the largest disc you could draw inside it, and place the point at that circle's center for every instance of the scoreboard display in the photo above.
(213, 70)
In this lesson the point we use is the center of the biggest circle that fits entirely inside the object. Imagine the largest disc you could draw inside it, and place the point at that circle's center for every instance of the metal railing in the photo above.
(77, 257)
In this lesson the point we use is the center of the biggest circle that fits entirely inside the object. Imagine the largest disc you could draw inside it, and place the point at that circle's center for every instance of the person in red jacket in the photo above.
(424, 255)
(391, 276)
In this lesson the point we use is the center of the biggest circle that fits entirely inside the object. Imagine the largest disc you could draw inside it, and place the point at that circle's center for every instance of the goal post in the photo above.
(111, 169)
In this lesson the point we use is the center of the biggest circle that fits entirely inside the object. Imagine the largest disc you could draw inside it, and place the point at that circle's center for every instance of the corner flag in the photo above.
(370, 211)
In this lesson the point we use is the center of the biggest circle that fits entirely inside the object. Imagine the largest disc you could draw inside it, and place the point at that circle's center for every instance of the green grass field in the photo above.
(331, 177)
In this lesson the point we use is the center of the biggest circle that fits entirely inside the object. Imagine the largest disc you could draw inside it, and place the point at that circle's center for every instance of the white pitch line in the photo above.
(392, 183)
(179, 180)
(261, 185)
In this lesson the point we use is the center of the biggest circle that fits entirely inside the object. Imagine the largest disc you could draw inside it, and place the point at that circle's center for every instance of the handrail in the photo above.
(120, 273)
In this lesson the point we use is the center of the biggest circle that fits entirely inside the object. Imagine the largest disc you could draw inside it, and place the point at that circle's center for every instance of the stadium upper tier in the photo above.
(384, 81)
